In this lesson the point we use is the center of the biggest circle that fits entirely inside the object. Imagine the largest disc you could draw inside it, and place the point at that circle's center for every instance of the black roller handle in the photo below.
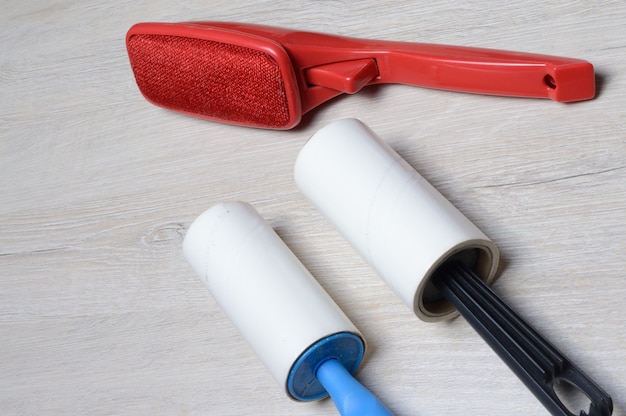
(533, 359)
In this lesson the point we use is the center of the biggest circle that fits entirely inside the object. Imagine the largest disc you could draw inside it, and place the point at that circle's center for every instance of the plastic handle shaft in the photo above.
(331, 61)
(535, 361)
(350, 397)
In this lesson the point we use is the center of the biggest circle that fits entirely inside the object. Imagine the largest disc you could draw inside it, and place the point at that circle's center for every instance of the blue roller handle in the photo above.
(350, 397)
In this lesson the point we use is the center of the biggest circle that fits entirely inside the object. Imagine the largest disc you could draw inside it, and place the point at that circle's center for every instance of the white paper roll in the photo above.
(278, 307)
(402, 226)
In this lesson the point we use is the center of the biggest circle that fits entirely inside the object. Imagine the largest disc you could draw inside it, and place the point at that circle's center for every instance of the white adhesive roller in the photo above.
(429, 253)
(402, 226)
(303, 338)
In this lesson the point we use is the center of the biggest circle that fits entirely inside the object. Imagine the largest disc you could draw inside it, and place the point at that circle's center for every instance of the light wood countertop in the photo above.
(100, 314)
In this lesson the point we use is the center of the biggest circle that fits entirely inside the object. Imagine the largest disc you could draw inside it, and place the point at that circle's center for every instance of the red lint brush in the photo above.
(267, 77)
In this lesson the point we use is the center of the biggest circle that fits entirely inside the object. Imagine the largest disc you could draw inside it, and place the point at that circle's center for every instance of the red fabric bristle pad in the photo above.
(212, 79)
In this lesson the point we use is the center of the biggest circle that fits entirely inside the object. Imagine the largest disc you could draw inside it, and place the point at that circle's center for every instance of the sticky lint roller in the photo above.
(437, 261)
(268, 77)
(303, 338)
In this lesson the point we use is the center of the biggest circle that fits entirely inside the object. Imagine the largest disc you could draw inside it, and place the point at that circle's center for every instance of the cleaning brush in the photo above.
(268, 77)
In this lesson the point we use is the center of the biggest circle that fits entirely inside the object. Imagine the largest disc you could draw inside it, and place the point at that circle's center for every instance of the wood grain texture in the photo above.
(101, 315)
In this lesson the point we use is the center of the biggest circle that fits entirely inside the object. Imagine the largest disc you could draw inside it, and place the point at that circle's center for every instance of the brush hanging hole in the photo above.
(574, 399)
(549, 81)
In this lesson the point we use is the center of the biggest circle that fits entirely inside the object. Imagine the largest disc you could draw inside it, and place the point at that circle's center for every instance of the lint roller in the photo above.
(297, 330)
(268, 77)
(428, 252)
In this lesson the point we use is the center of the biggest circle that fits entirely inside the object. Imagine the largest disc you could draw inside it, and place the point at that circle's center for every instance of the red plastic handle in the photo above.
(455, 68)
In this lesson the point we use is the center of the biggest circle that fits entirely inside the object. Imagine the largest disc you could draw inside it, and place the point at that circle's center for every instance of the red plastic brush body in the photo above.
(312, 68)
